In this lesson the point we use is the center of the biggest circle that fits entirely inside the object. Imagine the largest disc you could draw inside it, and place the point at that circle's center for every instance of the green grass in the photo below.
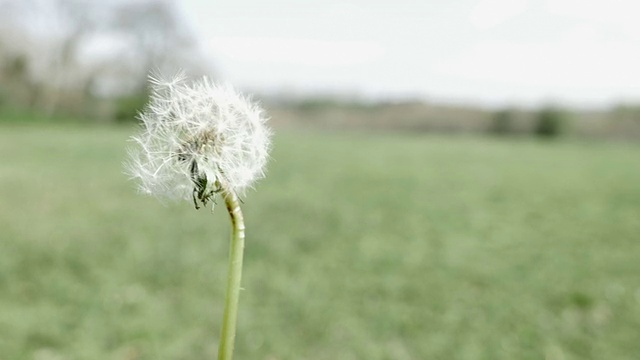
(358, 247)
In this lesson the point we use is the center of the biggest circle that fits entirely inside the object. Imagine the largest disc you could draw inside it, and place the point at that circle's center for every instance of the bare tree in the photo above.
(65, 53)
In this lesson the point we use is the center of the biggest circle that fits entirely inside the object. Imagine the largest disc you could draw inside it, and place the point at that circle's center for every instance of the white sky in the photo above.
(491, 52)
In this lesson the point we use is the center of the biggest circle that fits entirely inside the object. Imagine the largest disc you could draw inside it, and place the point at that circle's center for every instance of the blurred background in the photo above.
(450, 180)
(468, 66)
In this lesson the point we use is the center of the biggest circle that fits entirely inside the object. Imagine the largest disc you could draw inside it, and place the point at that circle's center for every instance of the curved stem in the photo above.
(228, 334)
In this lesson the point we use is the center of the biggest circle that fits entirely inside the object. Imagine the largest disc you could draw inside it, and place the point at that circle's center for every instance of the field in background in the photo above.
(620, 123)
(359, 247)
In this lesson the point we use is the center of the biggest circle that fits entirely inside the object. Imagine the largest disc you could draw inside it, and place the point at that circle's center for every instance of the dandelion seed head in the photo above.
(198, 130)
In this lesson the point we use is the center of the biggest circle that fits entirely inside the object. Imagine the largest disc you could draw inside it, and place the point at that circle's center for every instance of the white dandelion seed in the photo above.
(197, 139)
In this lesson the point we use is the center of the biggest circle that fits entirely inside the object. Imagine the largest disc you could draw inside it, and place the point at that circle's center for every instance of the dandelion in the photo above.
(198, 139)
(201, 141)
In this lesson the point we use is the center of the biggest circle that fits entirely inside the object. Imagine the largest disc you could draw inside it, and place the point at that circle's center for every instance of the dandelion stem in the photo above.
(228, 334)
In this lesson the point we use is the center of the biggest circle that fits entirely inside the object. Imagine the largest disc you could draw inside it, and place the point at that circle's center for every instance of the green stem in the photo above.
(228, 334)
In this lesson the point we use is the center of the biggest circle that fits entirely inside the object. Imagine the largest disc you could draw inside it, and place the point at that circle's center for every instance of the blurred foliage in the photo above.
(12, 115)
(551, 122)
(49, 72)
(321, 104)
(627, 113)
(127, 108)
(502, 122)
(621, 122)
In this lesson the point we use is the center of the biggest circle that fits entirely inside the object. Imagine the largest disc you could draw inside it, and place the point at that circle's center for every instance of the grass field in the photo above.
(359, 247)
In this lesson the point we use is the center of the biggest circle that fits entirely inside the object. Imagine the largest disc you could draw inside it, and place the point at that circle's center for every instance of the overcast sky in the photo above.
(491, 52)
